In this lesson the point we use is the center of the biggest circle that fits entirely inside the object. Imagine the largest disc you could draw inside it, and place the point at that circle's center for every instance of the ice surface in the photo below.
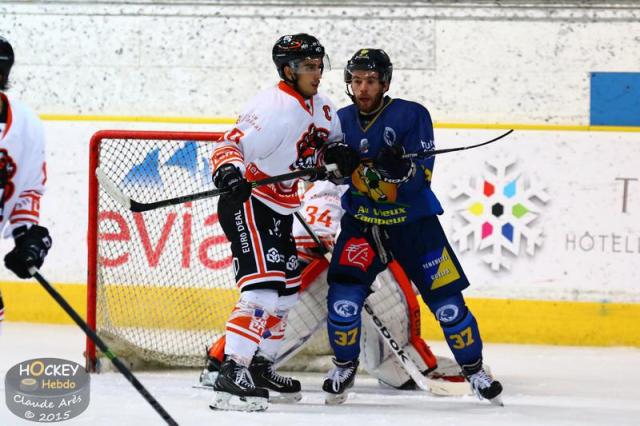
(544, 385)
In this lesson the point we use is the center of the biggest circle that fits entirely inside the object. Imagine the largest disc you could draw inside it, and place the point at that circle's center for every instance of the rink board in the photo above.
(556, 266)
(506, 321)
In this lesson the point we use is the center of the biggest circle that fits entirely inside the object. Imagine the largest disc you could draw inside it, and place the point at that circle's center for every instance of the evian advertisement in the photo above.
(179, 245)
(540, 214)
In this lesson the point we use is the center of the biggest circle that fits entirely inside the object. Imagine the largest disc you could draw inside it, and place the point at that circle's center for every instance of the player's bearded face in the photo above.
(367, 90)
(309, 73)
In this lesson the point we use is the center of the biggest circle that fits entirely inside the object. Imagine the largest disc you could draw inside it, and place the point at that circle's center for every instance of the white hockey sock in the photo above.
(247, 323)
(275, 335)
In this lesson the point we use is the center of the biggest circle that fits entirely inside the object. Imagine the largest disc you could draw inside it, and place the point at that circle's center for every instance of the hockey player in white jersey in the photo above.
(285, 127)
(22, 177)
(321, 209)
(322, 212)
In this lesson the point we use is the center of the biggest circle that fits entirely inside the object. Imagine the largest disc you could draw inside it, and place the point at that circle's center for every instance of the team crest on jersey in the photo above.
(389, 136)
(7, 172)
(364, 146)
(367, 180)
(308, 146)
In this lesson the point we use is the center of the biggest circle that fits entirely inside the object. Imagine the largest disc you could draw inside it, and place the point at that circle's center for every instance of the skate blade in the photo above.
(335, 399)
(274, 397)
(201, 386)
(207, 380)
(228, 402)
(497, 401)
(284, 398)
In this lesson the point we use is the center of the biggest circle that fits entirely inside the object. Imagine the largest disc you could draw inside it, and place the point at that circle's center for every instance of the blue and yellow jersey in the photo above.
(372, 200)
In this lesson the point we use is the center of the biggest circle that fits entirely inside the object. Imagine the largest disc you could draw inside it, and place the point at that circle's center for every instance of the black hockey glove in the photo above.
(32, 246)
(343, 156)
(391, 166)
(229, 176)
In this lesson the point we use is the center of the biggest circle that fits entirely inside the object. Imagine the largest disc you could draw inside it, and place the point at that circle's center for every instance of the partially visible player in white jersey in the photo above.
(322, 211)
(285, 127)
(22, 177)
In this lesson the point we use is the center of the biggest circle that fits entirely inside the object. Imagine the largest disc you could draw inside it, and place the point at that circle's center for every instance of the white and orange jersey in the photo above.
(22, 166)
(277, 132)
(322, 211)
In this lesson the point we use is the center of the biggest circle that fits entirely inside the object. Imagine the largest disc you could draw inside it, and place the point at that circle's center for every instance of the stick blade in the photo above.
(111, 188)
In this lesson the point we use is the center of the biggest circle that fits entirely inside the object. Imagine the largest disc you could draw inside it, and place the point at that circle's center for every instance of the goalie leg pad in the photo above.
(459, 326)
(391, 372)
(247, 323)
(344, 322)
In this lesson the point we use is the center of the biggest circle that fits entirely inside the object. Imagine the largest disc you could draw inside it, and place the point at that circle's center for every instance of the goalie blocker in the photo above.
(395, 301)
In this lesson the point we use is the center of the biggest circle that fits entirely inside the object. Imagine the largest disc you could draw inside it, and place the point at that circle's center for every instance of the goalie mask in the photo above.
(6, 62)
(292, 50)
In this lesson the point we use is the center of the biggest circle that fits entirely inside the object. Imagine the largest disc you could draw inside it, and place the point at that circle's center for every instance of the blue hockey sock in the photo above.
(344, 305)
(459, 327)
(344, 338)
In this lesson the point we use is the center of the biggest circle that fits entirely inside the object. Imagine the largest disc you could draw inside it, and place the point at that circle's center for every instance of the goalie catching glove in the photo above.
(391, 165)
(230, 177)
(32, 246)
(343, 156)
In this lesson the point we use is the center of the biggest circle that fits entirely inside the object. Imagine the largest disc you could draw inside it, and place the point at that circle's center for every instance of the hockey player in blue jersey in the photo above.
(392, 213)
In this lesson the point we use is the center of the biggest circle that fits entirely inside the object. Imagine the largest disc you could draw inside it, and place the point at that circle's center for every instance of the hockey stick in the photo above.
(436, 387)
(137, 207)
(431, 153)
(103, 347)
(297, 346)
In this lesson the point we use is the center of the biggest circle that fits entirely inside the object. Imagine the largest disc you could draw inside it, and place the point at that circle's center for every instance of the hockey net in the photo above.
(161, 284)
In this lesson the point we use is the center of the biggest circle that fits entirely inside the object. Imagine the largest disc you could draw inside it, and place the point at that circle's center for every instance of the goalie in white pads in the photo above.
(22, 178)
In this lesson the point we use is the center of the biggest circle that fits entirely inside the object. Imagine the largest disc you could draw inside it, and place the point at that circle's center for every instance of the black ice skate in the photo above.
(234, 390)
(281, 388)
(482, 384)
(339, 380)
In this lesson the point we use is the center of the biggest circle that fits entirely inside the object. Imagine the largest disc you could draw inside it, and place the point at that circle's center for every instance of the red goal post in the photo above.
(117, 254)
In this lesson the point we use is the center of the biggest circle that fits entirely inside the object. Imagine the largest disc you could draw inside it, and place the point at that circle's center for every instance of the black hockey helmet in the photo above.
(292, 48)
(369, 60)
(6, 61)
